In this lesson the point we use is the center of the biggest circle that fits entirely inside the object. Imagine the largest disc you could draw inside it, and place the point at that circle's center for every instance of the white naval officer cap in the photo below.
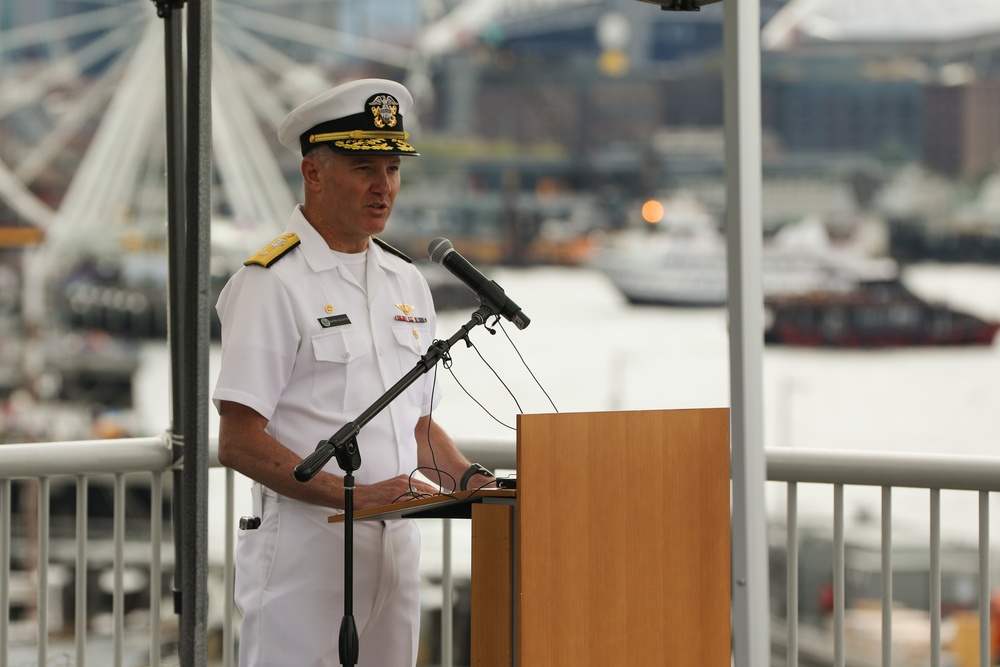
(363, 116)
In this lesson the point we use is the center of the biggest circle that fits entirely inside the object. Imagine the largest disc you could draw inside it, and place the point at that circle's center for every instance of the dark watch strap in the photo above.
(474, 469)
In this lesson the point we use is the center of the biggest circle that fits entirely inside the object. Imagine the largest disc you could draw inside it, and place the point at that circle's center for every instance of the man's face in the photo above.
(357, 193)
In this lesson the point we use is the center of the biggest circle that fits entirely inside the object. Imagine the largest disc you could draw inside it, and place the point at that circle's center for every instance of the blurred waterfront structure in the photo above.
(543, 124)
(536, 97)
(540, 122)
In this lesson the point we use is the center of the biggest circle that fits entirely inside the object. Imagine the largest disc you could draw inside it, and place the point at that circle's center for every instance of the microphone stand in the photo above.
(344, 446)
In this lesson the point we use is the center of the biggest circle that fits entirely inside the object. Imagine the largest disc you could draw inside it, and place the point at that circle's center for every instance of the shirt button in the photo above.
(347, 355)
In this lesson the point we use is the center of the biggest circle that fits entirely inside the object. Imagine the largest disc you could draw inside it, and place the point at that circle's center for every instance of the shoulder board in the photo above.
(274, 250)
(388, 248)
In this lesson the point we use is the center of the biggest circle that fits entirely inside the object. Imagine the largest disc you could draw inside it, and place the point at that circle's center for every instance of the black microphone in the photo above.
(490, 294)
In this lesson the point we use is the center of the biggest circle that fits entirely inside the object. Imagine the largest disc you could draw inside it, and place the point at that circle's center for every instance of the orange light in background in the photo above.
(652, 211)
(613, 62)
(546, 187)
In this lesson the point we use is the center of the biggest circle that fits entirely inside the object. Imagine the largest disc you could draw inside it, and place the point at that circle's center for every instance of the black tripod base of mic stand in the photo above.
(348, 642)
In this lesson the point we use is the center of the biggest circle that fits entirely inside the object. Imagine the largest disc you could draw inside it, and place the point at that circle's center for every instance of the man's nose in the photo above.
(382, 182)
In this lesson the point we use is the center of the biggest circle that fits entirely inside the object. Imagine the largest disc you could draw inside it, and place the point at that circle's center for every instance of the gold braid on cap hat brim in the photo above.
(358, 134)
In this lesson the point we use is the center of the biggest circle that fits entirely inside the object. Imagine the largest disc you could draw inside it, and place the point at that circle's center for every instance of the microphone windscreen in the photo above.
(438, 248)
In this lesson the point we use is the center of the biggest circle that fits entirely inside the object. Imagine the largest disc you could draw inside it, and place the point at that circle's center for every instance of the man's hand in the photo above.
(402, 487)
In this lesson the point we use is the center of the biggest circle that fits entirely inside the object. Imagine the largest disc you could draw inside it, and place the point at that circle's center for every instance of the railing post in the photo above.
(5, 535)
(935, 576)
(792, 565)
(984, 579)
(887, 576)
(229, 572)
(155, 565)
(447, 601)
(118, 596)
(42, 564)
(82, 485)
(839, 566)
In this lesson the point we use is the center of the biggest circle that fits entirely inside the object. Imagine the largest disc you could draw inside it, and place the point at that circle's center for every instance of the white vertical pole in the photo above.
(984, 578)
(447, 597)
(42, 566)
(792, 566)
(887, 575)
(839, 577)
(935, 577)
(80, 586)
(744, 232)
(5, 535)
(229, 573)
(156, 566)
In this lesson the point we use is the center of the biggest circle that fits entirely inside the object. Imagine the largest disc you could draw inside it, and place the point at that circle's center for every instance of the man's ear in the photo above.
(310, 168)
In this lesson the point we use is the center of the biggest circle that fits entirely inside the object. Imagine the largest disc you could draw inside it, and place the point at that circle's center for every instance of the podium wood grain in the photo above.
(622, 544)
(614, 549)
(492, 585)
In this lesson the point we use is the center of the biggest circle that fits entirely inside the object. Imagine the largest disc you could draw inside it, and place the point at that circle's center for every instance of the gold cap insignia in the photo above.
(383, 108)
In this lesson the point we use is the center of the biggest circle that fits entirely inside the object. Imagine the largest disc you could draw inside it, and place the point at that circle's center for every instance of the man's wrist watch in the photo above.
(474, 469)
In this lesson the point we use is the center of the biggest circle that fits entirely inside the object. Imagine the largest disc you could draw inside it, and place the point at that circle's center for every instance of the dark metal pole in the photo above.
(196, 319)
(188, 218)
(170, 12)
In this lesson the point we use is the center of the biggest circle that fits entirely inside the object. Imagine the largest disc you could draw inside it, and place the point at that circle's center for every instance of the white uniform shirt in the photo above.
(308, 379)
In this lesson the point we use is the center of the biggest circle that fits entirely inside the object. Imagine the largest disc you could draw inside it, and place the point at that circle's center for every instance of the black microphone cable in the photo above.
(526, 366)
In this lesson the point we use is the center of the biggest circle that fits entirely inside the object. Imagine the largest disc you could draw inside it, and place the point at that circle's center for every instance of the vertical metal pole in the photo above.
(447, 597)
(229, 571)
(118, 592)
(744, 231)
(839, 577)
(80, 586)
(176, 200)
(188, 184)
(792, 565)
(935, 575)
(984, 578)
(5, 535)
(156, 567)
(44, 500)
(194, 507)
(887, 576)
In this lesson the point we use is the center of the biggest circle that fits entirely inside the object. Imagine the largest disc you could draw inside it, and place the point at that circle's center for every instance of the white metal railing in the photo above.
(86, 460)
(83, 461)
(887, 472)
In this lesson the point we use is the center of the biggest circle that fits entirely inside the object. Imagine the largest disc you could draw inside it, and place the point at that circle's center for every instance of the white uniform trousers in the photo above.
(290, 587)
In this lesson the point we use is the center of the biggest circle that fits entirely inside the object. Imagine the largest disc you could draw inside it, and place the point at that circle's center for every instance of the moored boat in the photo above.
(682, 260)
(876, 313)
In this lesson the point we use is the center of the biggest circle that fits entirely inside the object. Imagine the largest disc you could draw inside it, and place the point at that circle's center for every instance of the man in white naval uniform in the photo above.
(315, 328)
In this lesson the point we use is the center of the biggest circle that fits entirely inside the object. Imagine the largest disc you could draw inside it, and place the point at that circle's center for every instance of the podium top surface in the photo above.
(457, 505)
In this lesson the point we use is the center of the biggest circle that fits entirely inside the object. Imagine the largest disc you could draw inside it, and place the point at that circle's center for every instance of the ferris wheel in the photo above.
(82, 105)
(82, 122)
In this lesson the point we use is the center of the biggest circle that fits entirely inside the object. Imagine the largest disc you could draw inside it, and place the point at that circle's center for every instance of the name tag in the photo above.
(334, 321)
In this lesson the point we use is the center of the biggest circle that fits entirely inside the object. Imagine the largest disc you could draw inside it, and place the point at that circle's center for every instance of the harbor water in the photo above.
(592, 351)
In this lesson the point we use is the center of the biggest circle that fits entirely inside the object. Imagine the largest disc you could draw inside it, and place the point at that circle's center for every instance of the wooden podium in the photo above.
(615, 548)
